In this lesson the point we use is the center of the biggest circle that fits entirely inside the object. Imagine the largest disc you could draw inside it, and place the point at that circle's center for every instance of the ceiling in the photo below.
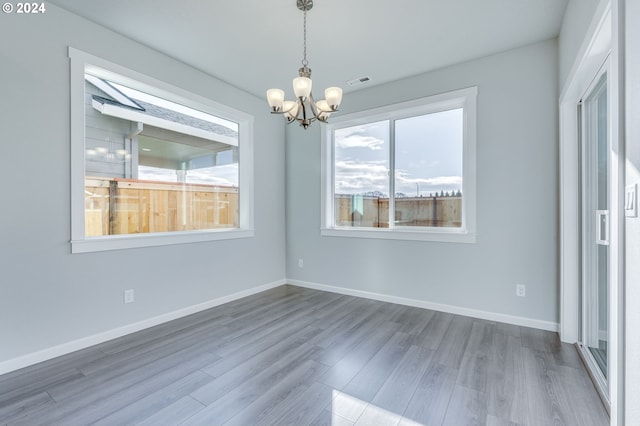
(257, 44)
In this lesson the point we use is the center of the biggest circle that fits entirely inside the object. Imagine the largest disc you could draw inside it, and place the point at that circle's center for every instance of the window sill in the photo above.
(119, 242)
(443, 236)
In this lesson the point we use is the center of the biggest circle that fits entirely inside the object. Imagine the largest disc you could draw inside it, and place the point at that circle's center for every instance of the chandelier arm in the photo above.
(280, 112)
(312, 105)
(300, 106)
(304, 110)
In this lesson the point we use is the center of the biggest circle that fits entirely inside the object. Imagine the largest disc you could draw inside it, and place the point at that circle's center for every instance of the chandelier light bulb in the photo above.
(290, 109)
(302, 87)
(333, 96)
(323, 106)
(275, 97)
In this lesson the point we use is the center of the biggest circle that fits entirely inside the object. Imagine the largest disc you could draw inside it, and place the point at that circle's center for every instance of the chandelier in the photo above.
(304, 109)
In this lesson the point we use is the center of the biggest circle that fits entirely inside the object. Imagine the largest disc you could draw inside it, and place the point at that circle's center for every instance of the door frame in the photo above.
(580, 79)
(601, 39)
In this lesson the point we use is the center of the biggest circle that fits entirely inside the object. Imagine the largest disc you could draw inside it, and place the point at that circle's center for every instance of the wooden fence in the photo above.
(370, 211)
(126, 206)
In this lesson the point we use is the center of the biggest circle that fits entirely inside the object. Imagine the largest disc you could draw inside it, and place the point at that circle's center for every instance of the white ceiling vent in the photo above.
(359, 80)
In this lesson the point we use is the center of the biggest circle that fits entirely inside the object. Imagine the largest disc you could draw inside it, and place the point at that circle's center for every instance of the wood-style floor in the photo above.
(294, 356)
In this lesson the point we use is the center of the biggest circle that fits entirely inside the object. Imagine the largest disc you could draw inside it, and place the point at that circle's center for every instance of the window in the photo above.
(153, 164)
(406, 171)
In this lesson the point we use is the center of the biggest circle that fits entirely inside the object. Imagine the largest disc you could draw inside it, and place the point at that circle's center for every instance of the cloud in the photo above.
(357, 177)
(403, 179)
(359, 141)
(426, 185)
(349, 167)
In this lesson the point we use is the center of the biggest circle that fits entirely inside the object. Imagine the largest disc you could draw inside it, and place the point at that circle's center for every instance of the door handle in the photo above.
(602, 227)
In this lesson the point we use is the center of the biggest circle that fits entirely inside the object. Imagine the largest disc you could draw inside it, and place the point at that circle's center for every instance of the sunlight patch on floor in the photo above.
(349, 410)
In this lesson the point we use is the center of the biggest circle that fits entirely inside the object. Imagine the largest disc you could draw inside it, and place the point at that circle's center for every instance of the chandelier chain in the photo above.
(304, 60)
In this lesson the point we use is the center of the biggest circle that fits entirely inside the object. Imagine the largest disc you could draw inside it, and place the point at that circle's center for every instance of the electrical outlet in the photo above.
(300, 263)
(521, 290)
(129, 296)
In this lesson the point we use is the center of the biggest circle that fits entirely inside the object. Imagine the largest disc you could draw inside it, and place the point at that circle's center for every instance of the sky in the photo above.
(428, 155)
(226, 175)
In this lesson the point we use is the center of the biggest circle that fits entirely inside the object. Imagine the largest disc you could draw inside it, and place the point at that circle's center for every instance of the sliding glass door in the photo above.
(594, 147)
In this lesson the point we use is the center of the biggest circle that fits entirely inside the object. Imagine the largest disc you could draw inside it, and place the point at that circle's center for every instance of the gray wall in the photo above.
(632, 261)
(50, 297)
(517, 179)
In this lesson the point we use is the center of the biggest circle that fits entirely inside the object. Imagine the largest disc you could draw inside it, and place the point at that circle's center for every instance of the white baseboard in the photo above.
(85, 342)
(468, 312)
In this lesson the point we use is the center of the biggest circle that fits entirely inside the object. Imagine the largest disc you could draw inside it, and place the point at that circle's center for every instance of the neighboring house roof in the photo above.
(185, 119)
(108, 89)
(157, 116)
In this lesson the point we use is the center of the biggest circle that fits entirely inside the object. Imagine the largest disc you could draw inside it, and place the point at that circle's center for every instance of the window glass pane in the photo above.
(152, 165)
(428, 170)
(362, 175)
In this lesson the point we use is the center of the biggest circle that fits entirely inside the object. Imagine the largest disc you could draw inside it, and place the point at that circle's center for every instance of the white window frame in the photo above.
(463, 98)
(80, 62)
